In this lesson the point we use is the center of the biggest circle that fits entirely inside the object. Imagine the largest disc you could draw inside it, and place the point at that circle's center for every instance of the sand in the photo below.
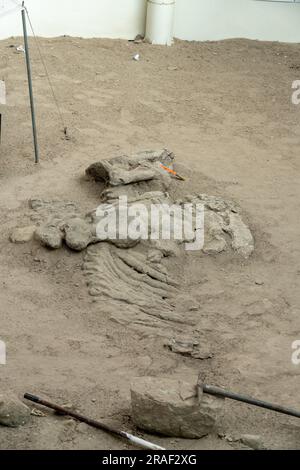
(225, 110)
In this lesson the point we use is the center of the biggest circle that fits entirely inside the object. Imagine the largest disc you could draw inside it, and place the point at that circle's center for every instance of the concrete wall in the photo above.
(203, 20)
(88, 18)
(195, 19)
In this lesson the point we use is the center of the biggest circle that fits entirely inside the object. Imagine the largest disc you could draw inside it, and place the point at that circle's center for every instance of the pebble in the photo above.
(22, 235)
(83, 427)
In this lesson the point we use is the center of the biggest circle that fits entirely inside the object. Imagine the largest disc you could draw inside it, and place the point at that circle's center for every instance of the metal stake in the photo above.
(219, 392)
(26, 45)
(96, 424)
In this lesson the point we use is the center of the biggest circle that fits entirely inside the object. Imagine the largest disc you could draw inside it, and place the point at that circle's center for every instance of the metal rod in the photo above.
(95, 424)
(219, 392)
(28, 66)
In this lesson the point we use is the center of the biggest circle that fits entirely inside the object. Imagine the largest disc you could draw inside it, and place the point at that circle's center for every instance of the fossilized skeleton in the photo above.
(133, 271)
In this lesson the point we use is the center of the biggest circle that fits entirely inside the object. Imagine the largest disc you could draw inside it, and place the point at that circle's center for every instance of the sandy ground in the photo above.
(225, 109)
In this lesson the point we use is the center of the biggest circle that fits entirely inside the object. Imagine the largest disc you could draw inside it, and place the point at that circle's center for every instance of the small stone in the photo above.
(36, 412)
(49, 236)
(194, 308)
(259, 282)
(69, 406)
(13, 413)
(171, 407)
(189, 347)
(202, 354)
(83, 428)
(242, 239)
(228, 437)
(184, 346)
(252, 441)
(139, 37)
(155, 256)
(22, 235)
(69, 422)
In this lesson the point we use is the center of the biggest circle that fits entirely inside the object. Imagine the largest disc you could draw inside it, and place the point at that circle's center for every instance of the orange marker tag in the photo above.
(172, 172)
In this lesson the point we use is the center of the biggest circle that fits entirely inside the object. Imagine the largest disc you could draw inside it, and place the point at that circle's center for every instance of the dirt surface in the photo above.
(225, 109)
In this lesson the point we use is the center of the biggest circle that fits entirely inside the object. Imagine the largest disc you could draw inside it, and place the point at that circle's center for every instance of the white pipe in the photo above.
(160, 21)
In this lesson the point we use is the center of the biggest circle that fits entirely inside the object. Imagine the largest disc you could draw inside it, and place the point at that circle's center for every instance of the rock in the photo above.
(13, 412)
(78, 234)
(139, 37)
(189, 347)
(184, 346)
(242, 239)
(171, 407)
(215, 246)
(22, 235)
(83, 428)
(252, 441)
(70, 423)
(202, 354)
(214, 240)
(50, 236)
(69, 406)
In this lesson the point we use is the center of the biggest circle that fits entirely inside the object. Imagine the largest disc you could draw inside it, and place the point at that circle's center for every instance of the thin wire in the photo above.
(46, 71)
(8, 12)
